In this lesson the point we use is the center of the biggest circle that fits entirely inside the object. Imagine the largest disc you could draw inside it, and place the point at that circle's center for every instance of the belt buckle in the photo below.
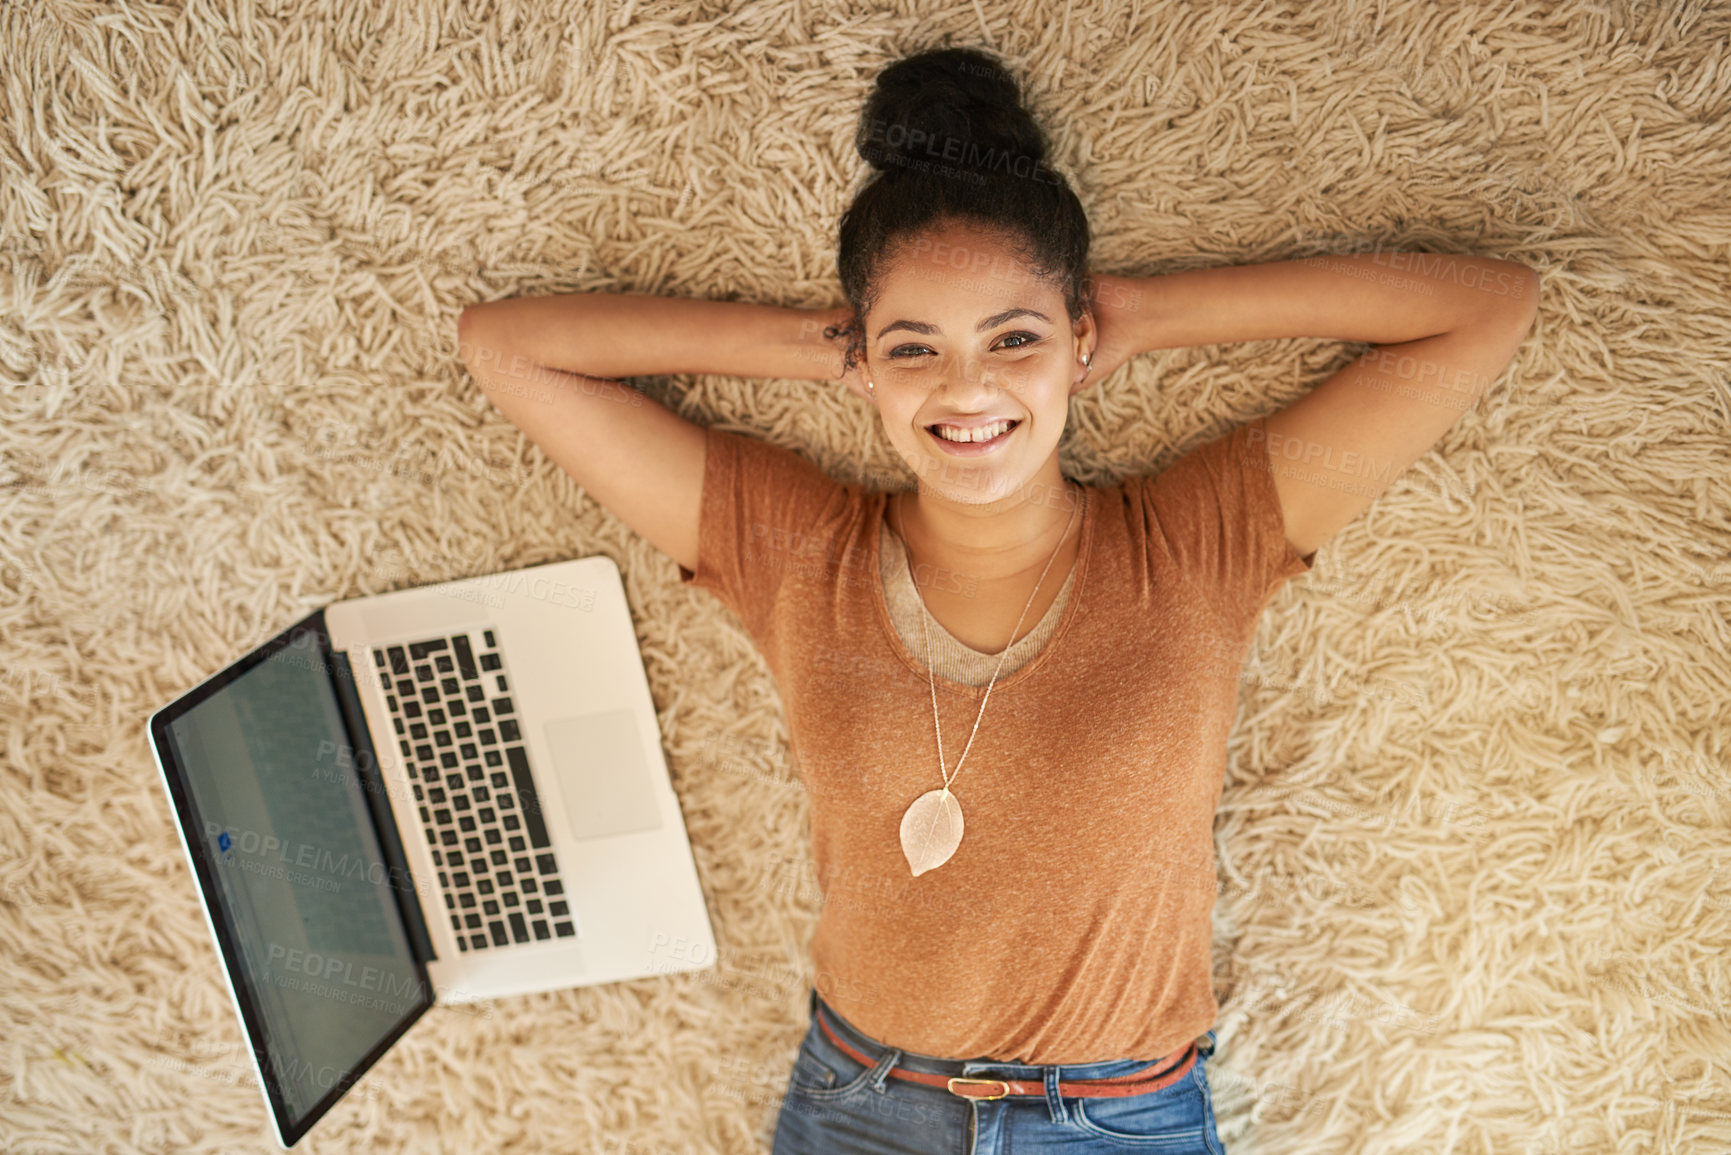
(954, 1079)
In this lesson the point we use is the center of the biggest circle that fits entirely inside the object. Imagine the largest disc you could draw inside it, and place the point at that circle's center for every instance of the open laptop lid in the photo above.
(285, 819)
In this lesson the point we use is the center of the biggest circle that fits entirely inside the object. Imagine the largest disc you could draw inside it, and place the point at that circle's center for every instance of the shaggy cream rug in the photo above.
(1476, 872)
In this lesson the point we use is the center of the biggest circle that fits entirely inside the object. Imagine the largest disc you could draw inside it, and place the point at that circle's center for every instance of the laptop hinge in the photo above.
(367, 770)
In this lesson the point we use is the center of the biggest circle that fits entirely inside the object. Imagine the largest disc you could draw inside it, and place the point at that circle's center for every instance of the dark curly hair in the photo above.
(946, 131)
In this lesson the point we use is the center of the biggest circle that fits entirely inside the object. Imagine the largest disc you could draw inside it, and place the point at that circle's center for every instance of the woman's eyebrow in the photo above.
(989, 322)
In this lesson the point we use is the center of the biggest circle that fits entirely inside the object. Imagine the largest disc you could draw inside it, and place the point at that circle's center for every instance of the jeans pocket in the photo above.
(1174, 1118)
(824, 1071)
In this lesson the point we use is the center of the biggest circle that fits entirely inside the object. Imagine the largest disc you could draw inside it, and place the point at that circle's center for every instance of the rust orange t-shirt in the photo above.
(1074, 922)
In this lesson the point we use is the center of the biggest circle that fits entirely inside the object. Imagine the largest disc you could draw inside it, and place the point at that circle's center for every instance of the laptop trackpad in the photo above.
(599, 760)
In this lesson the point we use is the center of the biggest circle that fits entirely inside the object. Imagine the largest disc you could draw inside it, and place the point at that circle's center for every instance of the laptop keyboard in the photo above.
(461, 740)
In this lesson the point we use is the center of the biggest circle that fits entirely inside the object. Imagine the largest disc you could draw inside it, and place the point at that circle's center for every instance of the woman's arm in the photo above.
(1383, 297)
(1444, 328)
(546, 364)
(636, 335)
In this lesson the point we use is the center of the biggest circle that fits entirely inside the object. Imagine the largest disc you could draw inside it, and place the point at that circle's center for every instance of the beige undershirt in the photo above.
(950, 657)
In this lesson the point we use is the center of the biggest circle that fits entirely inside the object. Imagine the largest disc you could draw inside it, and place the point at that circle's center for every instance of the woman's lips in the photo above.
(973, 448)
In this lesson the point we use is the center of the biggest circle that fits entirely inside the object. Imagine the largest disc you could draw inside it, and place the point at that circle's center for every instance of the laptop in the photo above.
(436, 795)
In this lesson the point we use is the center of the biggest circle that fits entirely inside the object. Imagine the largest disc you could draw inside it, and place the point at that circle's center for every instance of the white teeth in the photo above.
(984, 433)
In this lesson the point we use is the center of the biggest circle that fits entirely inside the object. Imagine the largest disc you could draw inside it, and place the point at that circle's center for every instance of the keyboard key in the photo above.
(493, 758)
(494, 837)
(554, 886)
(541, 931)
(423, 673)
(443, 882)
(456, 922)
(412, 708)
(424, 815)
(418, 731)
(477, 791)
(526, 795)
(439, 859)
(523, 866)
(509, 732)
(424, 753)
(502, 686)
(454, 858)
(466, 900)
(475, 774)
(378, 657)
(478, 941)
(419, 794)
(435, 717)
(475, 693)
(497, 929)
(528, 883)
(505, 881)
(504, 801)
(564, 929)
(465, 657)
(502, 706)
(491, 908)
(466, 824)
(461, 730)
(454, 781)
(405, 688)
(467, 752)
(481, 715)
(472, 921)
(558, 909)
(448, 759)
(519, 931)
(430, 695)
(497, 857)
(443, 664)
(442, 816)
(533, 906)
(442, 737)
(404, 743)
(450, 901)
(485, 886)
(449, 685)
(509, 899)
(462, 943)
(488, 637)
(399, 661)
(545, 864)
(448, 837)
(510, 822)
(458, 708)
(485, 814)
(499, 783)
(488, 738)
(460, 879)
(490, 661)
(472, 845)
(435, 794)
(398, 723)
(421, 649)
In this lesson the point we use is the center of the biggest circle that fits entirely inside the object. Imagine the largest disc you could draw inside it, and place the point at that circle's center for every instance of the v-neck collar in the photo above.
(879, 511)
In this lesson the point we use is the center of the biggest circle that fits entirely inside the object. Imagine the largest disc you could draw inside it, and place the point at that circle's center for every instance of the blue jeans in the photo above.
(837, 1105)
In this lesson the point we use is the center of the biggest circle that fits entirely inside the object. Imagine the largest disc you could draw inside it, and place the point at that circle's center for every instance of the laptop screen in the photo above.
(298, 891)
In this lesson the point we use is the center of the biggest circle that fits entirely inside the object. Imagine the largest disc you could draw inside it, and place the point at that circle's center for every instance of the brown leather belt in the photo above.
(1160, 1073)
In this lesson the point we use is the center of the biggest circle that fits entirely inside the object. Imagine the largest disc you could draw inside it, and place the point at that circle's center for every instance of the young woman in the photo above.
(1009, 694)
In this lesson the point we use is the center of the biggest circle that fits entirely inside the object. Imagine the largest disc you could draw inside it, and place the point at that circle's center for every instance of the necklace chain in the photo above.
(931, 678)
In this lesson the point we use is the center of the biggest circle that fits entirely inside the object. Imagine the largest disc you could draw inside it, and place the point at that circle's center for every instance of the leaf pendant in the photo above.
(931, 830)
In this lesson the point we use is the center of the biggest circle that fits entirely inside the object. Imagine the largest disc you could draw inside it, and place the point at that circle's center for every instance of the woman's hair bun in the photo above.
(949, 107)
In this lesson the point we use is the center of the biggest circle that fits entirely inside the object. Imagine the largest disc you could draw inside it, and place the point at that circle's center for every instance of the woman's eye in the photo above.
(1023, 340)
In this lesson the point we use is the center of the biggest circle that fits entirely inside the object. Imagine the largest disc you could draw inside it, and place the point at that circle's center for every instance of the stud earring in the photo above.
(870, 388)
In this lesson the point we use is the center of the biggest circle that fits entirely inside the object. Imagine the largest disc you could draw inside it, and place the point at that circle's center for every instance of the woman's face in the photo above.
(962, 334)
